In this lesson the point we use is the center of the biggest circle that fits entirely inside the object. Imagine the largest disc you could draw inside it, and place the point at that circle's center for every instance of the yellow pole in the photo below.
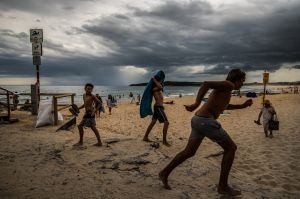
(265, 80)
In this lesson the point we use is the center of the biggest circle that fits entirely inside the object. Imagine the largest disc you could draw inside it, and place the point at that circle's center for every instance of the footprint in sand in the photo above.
(267, 177)
(289, 187)
(293, 167)
(80, 147)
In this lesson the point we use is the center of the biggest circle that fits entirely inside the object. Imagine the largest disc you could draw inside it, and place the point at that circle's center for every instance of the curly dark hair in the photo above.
(235, 75)
(89, 84)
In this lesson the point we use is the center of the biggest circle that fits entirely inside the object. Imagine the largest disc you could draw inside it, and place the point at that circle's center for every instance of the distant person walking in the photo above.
(15, 101)
(138, 99)
(296, 90)
(109, 102)
(131, 97)
(267, 112)
(204, 124)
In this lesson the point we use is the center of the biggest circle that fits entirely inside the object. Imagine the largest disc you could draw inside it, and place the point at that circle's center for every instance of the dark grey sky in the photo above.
(117, 43)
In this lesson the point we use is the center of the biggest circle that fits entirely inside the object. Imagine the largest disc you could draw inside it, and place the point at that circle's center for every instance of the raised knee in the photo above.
(167, 123)
(233, 148)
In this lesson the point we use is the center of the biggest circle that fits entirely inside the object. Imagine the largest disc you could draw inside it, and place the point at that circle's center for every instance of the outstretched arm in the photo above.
(220, 85)
(239, 106)
(258, 120)
(81, 107)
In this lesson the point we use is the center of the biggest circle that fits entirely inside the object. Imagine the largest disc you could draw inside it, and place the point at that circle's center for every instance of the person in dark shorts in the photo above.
(88, 120)
(159, 113)
(204, 124)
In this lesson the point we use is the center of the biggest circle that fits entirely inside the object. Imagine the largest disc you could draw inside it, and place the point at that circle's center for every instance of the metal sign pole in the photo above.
(265, 80)
(36, 38)
(38, 82)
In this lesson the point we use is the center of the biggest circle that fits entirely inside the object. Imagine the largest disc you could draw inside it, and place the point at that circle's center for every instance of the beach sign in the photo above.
(36, 35)
(265, 77)
(36, 49)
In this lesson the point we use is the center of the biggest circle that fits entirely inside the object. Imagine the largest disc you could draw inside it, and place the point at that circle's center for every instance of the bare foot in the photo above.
(164, 180)
(229, 191)
(78, 144)
(98, 144)
(166, 144)
(146, 139)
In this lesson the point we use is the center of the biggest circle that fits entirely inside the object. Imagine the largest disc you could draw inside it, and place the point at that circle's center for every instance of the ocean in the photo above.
(122, 92)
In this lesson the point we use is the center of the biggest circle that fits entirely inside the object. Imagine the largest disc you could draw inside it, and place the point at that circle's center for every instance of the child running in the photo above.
(88, 119)
(204, 124)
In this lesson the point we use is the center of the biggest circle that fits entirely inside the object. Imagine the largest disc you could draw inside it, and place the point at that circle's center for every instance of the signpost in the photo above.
(265, 81)
(36, 38)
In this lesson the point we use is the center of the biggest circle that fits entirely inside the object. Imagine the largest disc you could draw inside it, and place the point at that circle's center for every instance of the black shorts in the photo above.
(88, 120)
(159, 114)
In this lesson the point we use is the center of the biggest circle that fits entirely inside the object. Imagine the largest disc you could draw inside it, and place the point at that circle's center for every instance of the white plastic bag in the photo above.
(45, 114)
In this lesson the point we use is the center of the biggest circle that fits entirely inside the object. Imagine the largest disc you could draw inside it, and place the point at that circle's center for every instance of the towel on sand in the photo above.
(146, 102)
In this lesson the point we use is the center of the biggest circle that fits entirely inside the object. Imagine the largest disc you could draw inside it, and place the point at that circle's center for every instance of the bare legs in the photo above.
(229, 152)
(80, 129)
(189, 151)
(153, 122)
(267, 130)
(193, 144)
(95, 130)
(165, 131)
(81, 132)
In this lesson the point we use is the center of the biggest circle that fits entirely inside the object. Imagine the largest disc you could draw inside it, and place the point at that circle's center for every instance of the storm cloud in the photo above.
(184, 38)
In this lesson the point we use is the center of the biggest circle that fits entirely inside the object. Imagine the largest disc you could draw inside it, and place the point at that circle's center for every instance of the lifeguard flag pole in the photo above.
(265, 81)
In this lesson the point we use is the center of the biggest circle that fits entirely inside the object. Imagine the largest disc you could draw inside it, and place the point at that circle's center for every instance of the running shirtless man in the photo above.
(204, 124)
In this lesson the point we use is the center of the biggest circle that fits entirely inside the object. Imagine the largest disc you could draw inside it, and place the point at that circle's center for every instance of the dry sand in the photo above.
(42, 163)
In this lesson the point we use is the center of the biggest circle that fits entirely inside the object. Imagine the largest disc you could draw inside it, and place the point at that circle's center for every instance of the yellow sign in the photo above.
(266, 77)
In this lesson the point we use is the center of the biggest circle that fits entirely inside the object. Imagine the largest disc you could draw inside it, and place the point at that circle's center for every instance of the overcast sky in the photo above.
(118, 42)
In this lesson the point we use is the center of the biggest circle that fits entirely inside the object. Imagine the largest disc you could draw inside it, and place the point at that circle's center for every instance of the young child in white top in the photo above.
(267, 112)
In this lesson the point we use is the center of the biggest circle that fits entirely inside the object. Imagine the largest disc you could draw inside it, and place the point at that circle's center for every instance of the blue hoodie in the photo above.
(146, 102)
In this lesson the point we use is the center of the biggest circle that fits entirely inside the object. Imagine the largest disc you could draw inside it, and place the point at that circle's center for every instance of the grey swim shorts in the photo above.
(207, 127)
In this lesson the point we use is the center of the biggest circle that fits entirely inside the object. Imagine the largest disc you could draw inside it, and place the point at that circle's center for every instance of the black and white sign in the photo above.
(36, 49)
(36, 35)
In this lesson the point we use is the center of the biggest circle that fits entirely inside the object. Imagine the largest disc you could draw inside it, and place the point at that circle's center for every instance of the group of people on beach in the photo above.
(203, 124)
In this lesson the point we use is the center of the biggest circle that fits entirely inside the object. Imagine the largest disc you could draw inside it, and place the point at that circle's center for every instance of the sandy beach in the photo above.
(42, 163)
